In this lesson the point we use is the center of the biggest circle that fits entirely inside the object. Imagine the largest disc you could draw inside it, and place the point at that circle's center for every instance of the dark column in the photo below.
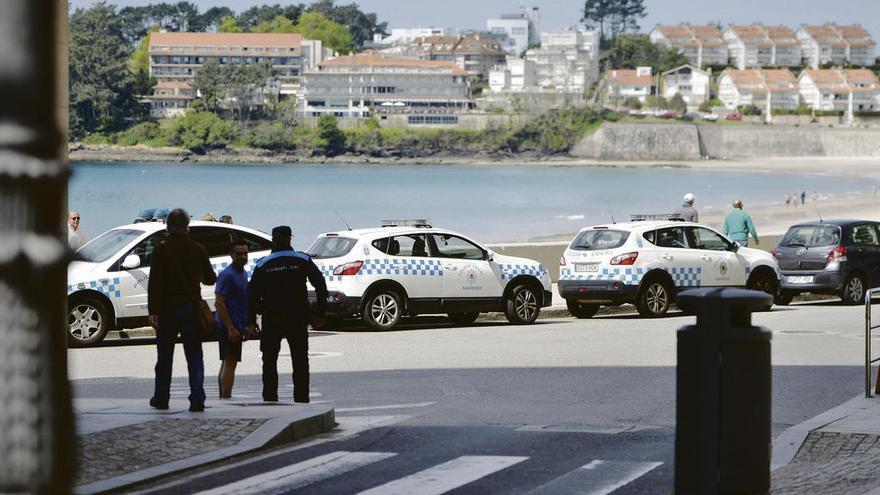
(36, 422)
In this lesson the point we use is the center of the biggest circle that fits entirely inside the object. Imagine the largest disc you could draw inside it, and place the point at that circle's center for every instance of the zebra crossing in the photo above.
(599, 477)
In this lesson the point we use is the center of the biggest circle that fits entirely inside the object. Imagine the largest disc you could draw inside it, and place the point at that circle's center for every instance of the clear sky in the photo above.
(557, 14)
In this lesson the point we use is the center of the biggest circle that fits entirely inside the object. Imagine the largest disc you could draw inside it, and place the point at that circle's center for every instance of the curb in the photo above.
(319, 418)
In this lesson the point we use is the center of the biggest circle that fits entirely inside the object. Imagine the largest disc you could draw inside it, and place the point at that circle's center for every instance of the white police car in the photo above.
(646, 262)
(107, 288)
(410, 268)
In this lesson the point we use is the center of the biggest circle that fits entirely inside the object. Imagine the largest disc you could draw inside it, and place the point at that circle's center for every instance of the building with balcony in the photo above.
(836, 45)
(370, 83)
(517, 75)
(857, 90)
(757, 45)
(566, 61)
(520, 30)
(688, 81)
(475, 54)
(625, 83)
(170, 99)
(742, 87)
(702, 45)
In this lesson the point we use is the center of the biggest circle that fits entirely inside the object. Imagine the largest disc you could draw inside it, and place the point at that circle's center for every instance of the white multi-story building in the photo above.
(566, 61)
(519, 30)
(741, 87)
(854, 90)
(430, 92)
(475, 54)
(688, 81)
(625, 83)
(517, 75)
(837, 45)
(757, 45)
(701, 44)
(402, 36)
(170, 99)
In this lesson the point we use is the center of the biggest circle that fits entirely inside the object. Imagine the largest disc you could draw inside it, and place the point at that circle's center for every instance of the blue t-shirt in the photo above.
(232, 284)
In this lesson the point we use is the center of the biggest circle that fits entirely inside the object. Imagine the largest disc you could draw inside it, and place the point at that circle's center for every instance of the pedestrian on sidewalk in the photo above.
(231, 316)
(687, 211)
(277, 290)
(76, 236)
(738, 225)
(179, 264)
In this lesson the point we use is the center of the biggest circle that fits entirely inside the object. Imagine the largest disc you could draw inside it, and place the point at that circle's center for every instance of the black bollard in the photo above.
(722, 415)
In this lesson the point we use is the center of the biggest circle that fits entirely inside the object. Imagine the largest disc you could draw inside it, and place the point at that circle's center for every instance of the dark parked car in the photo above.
(840, 257)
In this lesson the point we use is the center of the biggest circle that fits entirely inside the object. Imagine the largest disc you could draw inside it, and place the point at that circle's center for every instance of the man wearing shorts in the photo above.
(231, 316)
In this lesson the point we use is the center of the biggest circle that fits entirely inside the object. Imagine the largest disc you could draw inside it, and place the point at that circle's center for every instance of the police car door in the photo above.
(467, 274)
(133, 281)
(410, 264)
(217, 241)
(720, 265)
(678, 259)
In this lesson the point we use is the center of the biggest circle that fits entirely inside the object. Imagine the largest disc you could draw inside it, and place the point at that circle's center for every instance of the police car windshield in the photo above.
(330, 247)
(811, 236)
(109, 243)
(593, 240)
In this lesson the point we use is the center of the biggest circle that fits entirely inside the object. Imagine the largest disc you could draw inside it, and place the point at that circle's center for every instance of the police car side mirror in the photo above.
(488, 256)
(735, 246)
(131, 261)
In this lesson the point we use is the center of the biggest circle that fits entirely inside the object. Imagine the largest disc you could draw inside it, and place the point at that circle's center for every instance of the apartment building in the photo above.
(688, 81)
(566, 61)
(741, 87)
(519, 30)
(477, 55)
(516, 76)
(837, 45)
(624, 83)
(429, 92)
(856, 90)
(171, 99)
(757, 45)
(402, 36)
(701, 44)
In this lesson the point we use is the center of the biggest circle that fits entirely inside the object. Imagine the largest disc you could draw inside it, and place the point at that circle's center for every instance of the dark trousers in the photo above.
(173, 321)
(297, 337)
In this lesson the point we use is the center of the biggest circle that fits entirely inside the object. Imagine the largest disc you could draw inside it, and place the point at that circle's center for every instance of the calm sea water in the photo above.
(492, 203)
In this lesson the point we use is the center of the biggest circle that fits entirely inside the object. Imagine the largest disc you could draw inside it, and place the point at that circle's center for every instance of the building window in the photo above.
(432, 119)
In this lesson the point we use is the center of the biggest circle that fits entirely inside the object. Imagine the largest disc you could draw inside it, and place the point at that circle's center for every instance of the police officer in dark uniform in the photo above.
(277, 290)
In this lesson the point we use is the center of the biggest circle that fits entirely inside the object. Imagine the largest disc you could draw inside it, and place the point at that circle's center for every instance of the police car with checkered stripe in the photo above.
(107, 287)
(409, 268)
(647, 261)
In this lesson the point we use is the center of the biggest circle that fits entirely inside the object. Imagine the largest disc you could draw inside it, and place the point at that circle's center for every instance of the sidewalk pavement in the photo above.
(125, 442)
(836, 452)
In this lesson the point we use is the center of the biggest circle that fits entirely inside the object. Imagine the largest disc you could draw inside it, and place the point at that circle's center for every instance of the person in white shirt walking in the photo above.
(76, 236)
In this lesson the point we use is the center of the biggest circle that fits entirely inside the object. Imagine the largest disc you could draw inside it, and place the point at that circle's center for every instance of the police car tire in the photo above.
(522, 307)
(92, 316)
(463, 318)
(764, 283)
(580, 310)
(655, 299)
(382, 310)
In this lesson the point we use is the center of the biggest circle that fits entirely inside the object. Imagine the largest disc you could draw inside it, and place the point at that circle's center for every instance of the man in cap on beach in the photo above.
(687, 211)
(277, 290)
(738, 225)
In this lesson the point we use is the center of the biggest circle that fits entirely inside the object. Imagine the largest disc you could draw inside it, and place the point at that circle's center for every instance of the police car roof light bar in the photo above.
(646, 217)
(416, 222)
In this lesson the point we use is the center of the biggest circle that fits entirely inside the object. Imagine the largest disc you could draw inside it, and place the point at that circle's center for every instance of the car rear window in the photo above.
(594, 240)
(331, 247)
(811, 235)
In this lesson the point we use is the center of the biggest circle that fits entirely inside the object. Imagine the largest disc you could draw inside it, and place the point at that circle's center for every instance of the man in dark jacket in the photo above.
(178, 265)
(277, 290)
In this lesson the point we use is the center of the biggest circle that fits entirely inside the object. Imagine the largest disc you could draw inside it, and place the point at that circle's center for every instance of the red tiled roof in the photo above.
(273, 40)
(627, 77)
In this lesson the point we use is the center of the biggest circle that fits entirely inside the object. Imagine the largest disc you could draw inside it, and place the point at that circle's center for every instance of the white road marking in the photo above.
(302, 473)
(597, 478)
(389, 406)
(447, 476)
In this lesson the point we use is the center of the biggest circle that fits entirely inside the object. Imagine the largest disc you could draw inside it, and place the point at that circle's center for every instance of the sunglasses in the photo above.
(74, 218)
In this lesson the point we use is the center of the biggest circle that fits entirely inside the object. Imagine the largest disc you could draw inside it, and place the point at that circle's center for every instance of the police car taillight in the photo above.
(625, 259)
(348, 268)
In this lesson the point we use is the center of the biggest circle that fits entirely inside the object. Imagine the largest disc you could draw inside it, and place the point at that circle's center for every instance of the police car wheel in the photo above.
(580, 310)
(522, 306)
(763, 283)
(463, 318)
(87, 321)
(382, 310)
(654, 300)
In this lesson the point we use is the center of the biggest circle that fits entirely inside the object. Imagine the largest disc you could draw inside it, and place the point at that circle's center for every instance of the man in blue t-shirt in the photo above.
(231, 316)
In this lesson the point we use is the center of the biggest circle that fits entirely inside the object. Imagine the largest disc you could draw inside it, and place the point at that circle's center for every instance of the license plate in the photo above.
(586, 267)
(800, 279)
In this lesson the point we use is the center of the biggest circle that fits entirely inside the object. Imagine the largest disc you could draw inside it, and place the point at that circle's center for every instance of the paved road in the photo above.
(558, 404)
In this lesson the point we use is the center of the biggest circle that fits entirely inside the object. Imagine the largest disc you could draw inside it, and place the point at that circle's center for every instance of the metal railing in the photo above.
(869, 328)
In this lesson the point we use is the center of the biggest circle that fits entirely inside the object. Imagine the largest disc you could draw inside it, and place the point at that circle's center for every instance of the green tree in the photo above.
(656, 102)
(331, 139)
(245, 87)
(636, 50)
(102, 88)
(210, 20)
(677, 104)
(199, 131)
(314, 26)
(210, 81)
(633, 103)
(279, 24)
(254, 16)
(229, 25)
(613, 17)
(361, 25)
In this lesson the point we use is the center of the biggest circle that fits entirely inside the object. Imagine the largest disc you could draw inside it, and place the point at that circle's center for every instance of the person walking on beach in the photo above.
(231, 316)
(803, 197)
(787, 199)
(173, 292)
(687, 211)
(738, 225)
(76, 236)
(278, 291)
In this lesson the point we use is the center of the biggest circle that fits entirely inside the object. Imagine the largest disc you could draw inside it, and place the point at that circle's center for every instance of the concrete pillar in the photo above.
(36, 419)
(850, 118)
